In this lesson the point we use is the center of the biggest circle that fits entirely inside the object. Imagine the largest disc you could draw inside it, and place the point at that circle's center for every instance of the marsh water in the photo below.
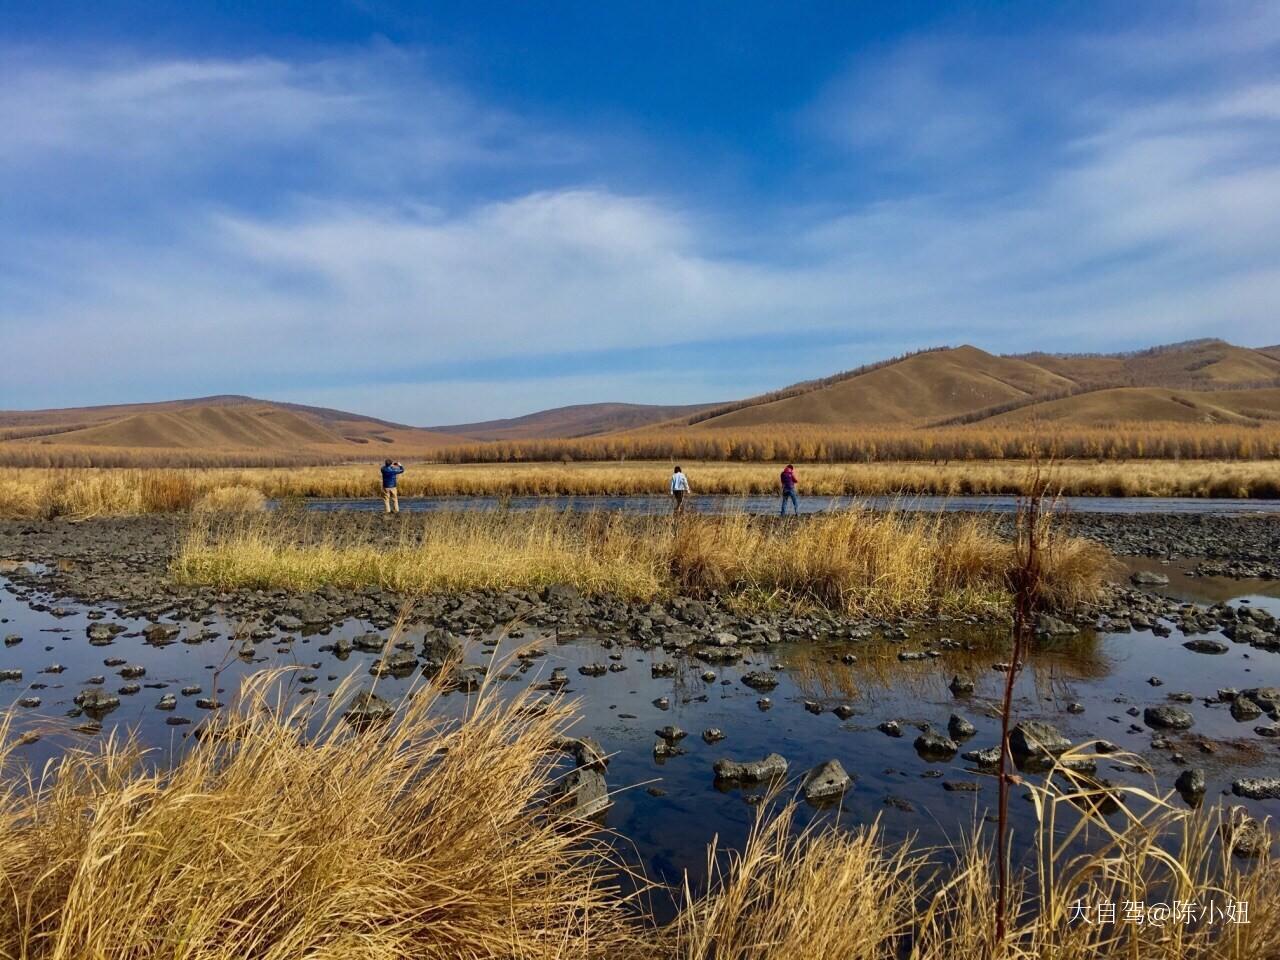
(669, 809)
(812, 504)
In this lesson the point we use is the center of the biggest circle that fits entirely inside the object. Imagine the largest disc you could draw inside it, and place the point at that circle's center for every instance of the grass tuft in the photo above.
(853, 561)
(421, 838)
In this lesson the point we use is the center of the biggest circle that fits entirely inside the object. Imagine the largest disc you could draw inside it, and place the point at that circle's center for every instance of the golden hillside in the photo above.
(1150, 404)
(917, 389)
(212, 429)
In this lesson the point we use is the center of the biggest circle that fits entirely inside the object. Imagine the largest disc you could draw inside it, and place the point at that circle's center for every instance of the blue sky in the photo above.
(440, 212)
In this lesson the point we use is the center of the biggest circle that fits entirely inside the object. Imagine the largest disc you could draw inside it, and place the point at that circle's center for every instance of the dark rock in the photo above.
(932, 745)
(1257, 788)
(1036, 740)
(712, 735)
(1191, 785)
(1148, 578)
(959, 728)
(826, 782)
(1166, 717)
(751, 771)
(1243, 709)
(583, 794)
(1206, 645)
(367, 708)
(1246, 837)
(760, 680)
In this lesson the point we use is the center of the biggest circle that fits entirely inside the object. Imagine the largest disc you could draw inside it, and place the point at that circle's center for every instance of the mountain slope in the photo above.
(1195, 364)
(1150, 404)
(914, 390)
(223, 425)
(579, 420)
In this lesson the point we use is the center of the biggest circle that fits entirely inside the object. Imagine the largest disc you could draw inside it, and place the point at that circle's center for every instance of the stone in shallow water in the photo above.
(1191, 785)
(932, 745)
(961, 685)
(1257, 788)
(366, 708)
(97, 701)
(1036, 740)
(1148, 578)
(1166, 717)
(959, 728)
(751, 771)
(1243, 709)
(760, 680)
(160, 634)
(1205, 645)
(826, 782)
(583, 793)
(1245, 836)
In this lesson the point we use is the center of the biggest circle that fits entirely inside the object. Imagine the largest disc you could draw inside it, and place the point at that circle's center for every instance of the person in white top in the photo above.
(679, 487)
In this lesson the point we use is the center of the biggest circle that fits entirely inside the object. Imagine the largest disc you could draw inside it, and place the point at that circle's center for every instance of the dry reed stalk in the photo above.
(854, 561)
(282, 832)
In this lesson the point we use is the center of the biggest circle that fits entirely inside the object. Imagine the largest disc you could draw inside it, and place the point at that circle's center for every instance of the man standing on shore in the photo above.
(679, 487)
(789, 490)
(390, 496)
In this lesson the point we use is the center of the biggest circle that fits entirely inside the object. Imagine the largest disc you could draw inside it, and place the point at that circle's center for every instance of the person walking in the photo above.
(390, 496)
(788, 479)
(679, 487)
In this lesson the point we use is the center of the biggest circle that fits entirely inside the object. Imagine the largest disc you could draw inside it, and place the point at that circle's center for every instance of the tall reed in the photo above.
(421, 838)
(30, 493)
(853, 561)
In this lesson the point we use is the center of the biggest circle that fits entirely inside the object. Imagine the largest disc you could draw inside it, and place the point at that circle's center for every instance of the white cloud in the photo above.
(303, 231)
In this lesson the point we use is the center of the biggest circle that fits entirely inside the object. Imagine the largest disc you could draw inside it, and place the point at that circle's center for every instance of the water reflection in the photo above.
(1090, 686)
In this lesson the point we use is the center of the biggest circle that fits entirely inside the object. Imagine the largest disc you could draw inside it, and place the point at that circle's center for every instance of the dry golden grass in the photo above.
(87, 492)
(232, 498)
(281, 834)
(421, 838)
(815, 443)
(828, 893)
(766, 443)
(853, 561)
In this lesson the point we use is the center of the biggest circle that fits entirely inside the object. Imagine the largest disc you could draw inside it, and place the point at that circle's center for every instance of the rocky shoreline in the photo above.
(123, 563)
(118, 569)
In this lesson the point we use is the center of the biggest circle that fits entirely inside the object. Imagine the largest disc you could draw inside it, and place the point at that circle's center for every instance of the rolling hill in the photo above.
(919, 388)
(1150, 404)
(1207, 381)
(1200, 381)
(580, 420)
(223, 428)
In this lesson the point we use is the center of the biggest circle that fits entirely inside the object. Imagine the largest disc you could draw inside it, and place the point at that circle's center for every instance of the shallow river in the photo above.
(767, 505)
(670, 810)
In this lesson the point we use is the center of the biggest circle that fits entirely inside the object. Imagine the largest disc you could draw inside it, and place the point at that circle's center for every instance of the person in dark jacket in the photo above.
(390, 496)
(788, 479)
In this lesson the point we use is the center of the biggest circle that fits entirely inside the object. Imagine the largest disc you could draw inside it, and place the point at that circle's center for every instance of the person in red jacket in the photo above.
(789, 490)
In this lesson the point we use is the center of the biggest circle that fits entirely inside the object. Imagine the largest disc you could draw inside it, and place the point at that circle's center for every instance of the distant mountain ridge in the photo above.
(578, 420)
(956, 385)
(1198, 381)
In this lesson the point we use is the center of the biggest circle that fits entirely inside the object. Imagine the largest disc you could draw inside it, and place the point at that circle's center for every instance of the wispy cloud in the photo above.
(353, 228)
